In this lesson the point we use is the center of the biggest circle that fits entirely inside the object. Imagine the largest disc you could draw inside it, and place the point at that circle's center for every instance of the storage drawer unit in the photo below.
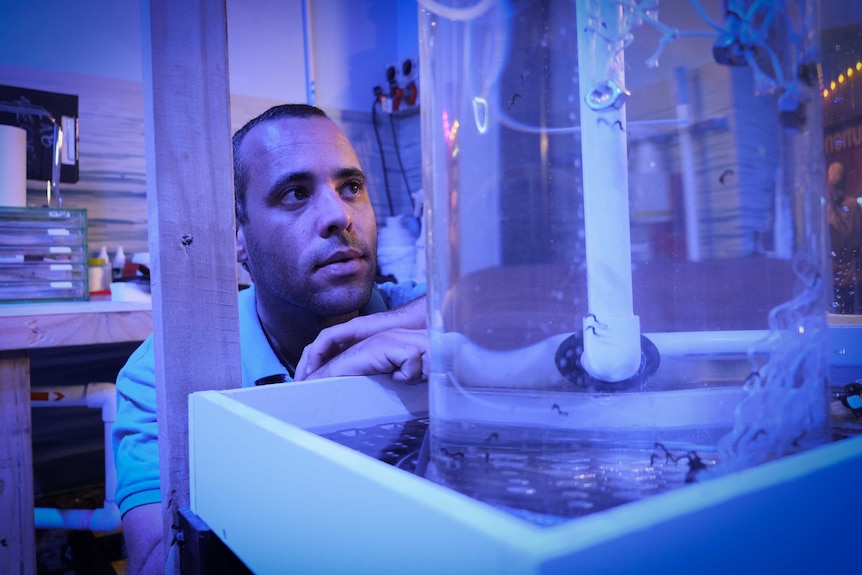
(43, 254)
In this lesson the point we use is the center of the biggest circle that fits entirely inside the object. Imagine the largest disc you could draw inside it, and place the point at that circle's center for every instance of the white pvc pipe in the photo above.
(105, 520)
(783, 227)
(612, 347)
(533, 367)
(95, 396)
(689, 180)
(683, 343)
(308, 43)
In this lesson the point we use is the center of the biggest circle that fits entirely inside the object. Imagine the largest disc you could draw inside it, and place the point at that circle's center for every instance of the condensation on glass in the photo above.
(628, 265)
(841, 93)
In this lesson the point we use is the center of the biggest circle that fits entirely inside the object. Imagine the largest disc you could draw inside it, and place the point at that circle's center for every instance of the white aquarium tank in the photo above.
(628, 262)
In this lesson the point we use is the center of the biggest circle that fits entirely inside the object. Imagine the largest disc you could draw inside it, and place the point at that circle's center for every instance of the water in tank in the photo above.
(628, 267)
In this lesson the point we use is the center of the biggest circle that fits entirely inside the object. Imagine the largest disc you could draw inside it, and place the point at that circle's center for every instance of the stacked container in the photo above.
(43, 254)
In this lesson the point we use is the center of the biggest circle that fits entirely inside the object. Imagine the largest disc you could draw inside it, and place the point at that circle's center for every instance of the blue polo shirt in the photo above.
(134, 435)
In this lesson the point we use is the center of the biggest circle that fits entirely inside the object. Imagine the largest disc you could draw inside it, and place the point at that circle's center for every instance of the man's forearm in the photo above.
(144, 535)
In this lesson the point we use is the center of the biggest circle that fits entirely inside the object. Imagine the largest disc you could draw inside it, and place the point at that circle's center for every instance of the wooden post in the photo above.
(191, 225)
(17, 530)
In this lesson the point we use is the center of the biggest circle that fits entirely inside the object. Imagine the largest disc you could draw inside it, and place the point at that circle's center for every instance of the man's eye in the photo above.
(294, 195)
(353, 188)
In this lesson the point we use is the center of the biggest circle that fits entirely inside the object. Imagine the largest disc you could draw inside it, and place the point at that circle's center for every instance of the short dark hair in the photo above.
(240, 170)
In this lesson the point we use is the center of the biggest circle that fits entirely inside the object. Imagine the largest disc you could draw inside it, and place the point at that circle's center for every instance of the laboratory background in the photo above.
(728, 143)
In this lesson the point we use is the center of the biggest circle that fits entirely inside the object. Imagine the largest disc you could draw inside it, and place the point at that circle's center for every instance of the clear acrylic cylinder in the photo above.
(625, 235)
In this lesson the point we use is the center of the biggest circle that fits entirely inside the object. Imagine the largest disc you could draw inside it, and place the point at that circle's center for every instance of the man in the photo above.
(307, 235)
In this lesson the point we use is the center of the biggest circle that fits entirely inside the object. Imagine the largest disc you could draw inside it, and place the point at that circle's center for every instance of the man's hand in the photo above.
(403, 353)
(334, 340)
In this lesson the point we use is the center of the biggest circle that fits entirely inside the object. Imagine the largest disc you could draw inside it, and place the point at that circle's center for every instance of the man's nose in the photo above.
(334, 215)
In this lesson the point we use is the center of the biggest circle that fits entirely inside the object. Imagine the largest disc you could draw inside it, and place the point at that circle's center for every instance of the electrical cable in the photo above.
(401, 164)
(382, 158)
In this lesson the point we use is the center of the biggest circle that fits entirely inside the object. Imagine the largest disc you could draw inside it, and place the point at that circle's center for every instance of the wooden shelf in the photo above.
(57, 324)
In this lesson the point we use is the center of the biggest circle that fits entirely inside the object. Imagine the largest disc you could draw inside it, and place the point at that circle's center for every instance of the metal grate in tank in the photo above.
(395, 443)
(590, 477)
(552, 488)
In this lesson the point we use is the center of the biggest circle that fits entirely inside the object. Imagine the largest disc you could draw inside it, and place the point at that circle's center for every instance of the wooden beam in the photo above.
(191, 224)
(17, 529)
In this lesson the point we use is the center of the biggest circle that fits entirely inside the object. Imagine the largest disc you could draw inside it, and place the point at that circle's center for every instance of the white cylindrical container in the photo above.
(13, 167)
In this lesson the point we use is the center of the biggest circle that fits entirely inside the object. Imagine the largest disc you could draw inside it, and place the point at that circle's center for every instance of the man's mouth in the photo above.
(342, 261)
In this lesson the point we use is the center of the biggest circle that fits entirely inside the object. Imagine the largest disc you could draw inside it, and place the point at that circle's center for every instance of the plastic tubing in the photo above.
(457, 14)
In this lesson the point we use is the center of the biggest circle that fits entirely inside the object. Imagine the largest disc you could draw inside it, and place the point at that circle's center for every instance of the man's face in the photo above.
(310, 240)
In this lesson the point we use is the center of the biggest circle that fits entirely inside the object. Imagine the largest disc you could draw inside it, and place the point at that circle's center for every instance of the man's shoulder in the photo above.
(398, 294)
(140, 366)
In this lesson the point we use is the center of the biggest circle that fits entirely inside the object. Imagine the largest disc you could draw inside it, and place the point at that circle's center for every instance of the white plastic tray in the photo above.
(288, 501)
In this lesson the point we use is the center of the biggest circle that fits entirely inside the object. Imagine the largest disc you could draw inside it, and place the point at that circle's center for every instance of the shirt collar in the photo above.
(259, 361)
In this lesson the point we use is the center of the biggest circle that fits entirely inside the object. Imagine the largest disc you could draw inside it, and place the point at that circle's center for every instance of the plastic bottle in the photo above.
(396, 249)
(119, 263)
(103, 255)
(96, 275)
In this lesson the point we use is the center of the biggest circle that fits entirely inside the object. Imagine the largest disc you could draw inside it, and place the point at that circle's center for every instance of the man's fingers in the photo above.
(412, 364)
(319, 352)
(335, 339)
(403, 353)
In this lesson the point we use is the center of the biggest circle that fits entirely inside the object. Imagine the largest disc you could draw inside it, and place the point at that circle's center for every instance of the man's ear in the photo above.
(241, 255)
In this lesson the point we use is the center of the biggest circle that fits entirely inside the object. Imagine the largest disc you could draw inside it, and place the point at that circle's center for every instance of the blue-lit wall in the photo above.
(353, 42)
(92, 49)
